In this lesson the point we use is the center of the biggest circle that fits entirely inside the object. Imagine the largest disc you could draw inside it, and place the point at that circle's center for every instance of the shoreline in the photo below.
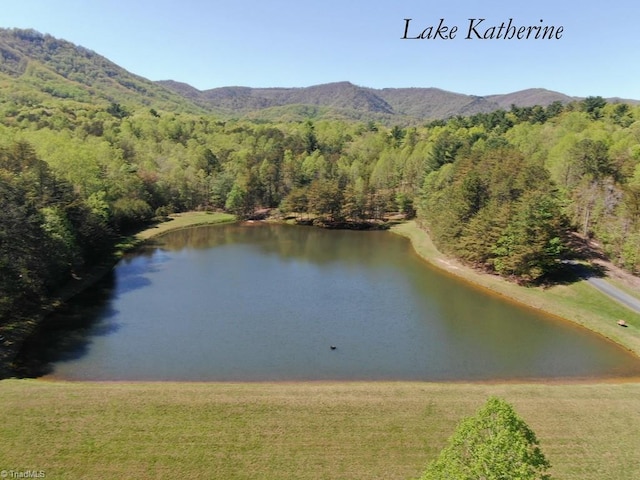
(536, 298)
(532, 381)
(179, 221)
(434, 259)
(567, 303)
(21, 331)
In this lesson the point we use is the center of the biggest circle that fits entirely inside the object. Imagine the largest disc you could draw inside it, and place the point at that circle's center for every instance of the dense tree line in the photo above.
(496, 210)
(498, 190)
(48, 232)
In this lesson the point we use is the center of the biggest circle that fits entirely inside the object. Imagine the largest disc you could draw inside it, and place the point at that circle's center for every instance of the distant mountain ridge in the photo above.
(43, 68)
(417, 103)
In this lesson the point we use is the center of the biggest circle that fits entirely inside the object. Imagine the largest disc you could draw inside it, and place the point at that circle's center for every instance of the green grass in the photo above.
(185, 220)
(177, 221)
(298, 431)
(577, 302)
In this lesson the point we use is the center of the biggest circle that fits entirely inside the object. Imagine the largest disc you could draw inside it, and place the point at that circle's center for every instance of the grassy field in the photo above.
(175, 222)
(185, 220)
(298, 431)
(577, 302)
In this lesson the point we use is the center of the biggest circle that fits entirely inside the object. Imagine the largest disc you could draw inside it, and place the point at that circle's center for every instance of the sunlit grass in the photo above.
(177, 221)
(298, 431)
(184, 220)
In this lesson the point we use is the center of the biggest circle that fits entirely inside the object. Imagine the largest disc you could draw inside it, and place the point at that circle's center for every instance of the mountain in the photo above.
(341, 97)
(433, 103)
(345, 100)
(43, 68)
(39, 70)
(529, 98)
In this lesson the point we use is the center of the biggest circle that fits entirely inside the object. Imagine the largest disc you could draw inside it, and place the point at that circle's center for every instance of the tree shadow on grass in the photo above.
(571, 271)
(579, 264)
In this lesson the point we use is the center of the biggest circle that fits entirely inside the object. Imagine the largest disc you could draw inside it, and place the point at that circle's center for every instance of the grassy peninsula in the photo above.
(176, 221)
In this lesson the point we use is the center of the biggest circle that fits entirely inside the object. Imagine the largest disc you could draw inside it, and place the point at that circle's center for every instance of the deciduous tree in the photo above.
(495, 444)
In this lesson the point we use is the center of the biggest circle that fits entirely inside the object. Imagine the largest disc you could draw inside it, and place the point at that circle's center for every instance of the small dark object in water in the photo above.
(333, 347)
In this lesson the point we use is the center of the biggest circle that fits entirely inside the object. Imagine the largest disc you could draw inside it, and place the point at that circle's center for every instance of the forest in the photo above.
(502, 191)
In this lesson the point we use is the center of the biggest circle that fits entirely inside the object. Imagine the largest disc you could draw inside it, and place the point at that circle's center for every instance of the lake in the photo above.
(260, 302)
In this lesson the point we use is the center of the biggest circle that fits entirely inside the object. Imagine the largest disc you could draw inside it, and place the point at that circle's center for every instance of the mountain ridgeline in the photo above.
(47, 67)
(347, 101)
(89, 152)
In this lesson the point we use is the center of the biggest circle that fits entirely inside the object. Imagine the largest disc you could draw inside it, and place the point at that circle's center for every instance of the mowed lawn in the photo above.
(185, 220)
(298, 430)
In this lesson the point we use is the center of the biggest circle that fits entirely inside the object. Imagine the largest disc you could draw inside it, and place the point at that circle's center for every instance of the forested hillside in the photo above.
(500, 190)
(37, 68)
(510, 186)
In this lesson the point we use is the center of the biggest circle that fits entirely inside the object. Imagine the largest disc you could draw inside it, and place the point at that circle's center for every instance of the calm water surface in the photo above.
(266, 302)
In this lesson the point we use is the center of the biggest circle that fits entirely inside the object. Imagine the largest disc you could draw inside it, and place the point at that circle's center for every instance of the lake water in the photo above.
(253, 302)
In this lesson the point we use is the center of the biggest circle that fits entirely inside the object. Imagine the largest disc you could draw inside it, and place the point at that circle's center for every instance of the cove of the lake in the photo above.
(262, 302)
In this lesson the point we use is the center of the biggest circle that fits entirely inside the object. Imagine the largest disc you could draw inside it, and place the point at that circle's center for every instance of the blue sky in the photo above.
(297, 43)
